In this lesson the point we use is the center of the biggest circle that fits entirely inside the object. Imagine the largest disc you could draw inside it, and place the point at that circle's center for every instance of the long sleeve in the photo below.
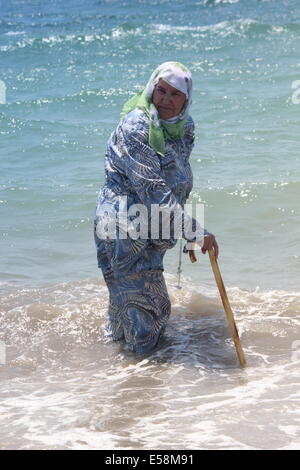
(142, 166)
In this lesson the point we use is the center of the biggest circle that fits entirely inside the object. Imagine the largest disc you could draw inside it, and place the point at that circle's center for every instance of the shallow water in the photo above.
(65, 386)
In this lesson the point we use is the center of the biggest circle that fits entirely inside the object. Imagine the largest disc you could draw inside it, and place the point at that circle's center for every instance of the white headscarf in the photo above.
(179, 77)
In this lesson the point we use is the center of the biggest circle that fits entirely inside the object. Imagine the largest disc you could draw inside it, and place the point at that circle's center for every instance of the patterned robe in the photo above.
(139, 305)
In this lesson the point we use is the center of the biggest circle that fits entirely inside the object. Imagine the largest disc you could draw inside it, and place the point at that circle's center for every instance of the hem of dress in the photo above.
(147, 272)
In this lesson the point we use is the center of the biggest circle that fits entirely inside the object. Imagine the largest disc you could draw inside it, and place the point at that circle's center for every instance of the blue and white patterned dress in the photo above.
(139, 305)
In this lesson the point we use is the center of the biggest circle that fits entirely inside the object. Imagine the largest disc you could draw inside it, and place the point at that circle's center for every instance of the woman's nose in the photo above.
(166, 98)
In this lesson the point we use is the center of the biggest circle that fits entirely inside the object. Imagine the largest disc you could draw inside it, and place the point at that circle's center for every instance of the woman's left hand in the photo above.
(209, 243)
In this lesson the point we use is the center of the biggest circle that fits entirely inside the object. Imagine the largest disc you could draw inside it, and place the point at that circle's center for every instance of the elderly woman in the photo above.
(146, 166)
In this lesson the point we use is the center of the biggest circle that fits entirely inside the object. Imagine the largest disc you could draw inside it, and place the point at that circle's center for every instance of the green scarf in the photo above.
(158, 131)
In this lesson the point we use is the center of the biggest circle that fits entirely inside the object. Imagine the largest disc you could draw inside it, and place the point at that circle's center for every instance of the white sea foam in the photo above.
(190, 393)
(14, 33)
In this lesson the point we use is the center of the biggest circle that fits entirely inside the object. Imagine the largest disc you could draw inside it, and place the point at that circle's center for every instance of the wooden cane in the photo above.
(226, 304)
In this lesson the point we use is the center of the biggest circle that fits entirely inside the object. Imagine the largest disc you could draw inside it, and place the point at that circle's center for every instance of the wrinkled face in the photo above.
(168, 100)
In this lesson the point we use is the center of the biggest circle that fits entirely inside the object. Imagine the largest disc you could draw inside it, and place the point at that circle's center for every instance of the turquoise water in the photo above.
(68, 73)
(68, 68)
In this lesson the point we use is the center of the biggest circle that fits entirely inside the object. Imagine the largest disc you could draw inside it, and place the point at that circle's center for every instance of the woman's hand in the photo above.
(209, 243)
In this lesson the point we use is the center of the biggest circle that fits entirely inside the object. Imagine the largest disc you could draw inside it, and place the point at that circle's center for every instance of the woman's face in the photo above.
(168, 100)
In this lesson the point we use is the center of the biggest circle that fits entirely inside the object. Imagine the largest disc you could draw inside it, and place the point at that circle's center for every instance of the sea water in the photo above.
(66, 69)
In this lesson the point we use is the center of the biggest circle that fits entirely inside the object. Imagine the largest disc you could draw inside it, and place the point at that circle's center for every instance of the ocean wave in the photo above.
(246, 189)
(14, 33)
(52, 40)
(64, 316)
(69, 379)
(80, 97)
(73, 39)
(242, 28)
(217, 2)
